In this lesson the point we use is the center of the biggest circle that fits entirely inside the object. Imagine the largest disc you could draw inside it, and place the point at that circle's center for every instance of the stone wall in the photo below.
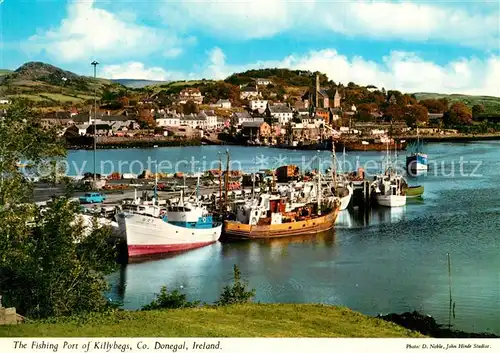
(8, 316)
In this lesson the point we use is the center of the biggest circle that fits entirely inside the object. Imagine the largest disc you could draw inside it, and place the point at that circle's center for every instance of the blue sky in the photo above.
(441, 46)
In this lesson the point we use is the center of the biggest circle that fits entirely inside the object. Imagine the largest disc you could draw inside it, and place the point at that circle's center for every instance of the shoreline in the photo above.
(152, 142)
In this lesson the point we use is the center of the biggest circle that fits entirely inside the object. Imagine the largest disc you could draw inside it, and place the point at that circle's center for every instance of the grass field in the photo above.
(250, 320)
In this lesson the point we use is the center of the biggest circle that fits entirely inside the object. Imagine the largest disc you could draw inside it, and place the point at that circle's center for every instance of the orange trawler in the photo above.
(272, 217)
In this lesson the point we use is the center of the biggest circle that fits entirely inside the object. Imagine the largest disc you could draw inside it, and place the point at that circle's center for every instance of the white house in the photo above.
(168, 120)
(4, 101)
(193, 121)
(259, 104)
(210, 119)
(238, 118)
(192, 94)
(281, 112)
(223, 103)
(263, 81)
(249, 92)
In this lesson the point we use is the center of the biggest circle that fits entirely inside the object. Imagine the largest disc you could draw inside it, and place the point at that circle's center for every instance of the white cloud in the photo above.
(137, 70)
(449, 22)
(90, 32)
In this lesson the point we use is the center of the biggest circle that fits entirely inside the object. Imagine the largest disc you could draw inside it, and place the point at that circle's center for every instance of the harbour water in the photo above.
(392, 260)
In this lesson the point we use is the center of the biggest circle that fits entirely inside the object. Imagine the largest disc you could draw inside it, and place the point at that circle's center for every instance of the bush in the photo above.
(166, 300)
(237, 293)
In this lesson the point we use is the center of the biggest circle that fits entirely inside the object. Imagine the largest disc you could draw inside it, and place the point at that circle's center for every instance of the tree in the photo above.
(393, 113)
(364, 112)
(477, 110)
(23, 139)
(50, 264)
(237, 293)
(458, 114)
(416, 114)
(56, 266)
(146, 119)
(190, 108)
(435, 106)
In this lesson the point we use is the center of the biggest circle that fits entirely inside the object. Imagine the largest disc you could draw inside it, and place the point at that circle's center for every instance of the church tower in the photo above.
(336, 99)
(317, 90)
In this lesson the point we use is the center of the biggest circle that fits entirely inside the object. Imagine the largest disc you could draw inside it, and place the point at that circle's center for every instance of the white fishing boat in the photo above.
(389, 187)
(389, 191)
(342, 188)
(153, 229)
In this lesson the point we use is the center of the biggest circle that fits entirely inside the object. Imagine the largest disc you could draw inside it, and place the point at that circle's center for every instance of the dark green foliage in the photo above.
(237, 293)
(173, 300)
(50, 264)
(55, 266)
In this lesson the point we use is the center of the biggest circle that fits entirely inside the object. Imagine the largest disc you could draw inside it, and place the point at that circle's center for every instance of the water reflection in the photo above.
(203, 272)
(359, 218)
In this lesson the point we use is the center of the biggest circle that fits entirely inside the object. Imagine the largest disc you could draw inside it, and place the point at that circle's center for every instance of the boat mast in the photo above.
(226, 180)
(198, 189)
(334, 166)
(220, 181)
(319, 191)
(343, 160)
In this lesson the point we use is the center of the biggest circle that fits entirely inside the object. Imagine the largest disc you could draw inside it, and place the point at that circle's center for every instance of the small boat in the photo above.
(417, 160)
(414, 191)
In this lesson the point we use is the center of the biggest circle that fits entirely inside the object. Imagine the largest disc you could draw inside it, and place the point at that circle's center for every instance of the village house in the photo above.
(190, 94)
(166, 120)
(263, 82)
(281, 112)
(302, 112)
(249, 92)
(256, 129)
(223, 122)
(238, 118)
(223, 103)
(76, 130)
(258, 104)
(210, 119)
(323, 114)
(194, 121)
(100, 129)
(5, 101)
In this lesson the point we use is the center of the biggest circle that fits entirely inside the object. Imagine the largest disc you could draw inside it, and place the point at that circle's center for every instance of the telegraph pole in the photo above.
(94, 64)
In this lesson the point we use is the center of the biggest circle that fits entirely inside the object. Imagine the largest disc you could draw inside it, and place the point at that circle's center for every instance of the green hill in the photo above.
(49, 85)
(259, 320)
(491, 104)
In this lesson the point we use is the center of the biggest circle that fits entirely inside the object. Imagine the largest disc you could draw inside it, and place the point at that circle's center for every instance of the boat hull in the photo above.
(148, 235)
(414, 191)
(417, 163)
(239, 231)
(391, 200)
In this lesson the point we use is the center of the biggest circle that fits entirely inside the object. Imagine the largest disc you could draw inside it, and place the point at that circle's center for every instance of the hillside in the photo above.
(48, 85)
(260, 320)
(491, 104)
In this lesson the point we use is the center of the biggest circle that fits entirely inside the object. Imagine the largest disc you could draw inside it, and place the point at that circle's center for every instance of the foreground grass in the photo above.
(250, 320)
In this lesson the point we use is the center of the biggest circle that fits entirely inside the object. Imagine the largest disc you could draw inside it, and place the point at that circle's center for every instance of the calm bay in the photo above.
(391, 260)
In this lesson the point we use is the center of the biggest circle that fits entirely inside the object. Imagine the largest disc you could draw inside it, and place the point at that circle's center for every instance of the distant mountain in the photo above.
(136, 83)
(49, 85)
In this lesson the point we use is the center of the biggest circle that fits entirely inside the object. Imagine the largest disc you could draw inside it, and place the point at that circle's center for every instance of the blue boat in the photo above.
(417, 161)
